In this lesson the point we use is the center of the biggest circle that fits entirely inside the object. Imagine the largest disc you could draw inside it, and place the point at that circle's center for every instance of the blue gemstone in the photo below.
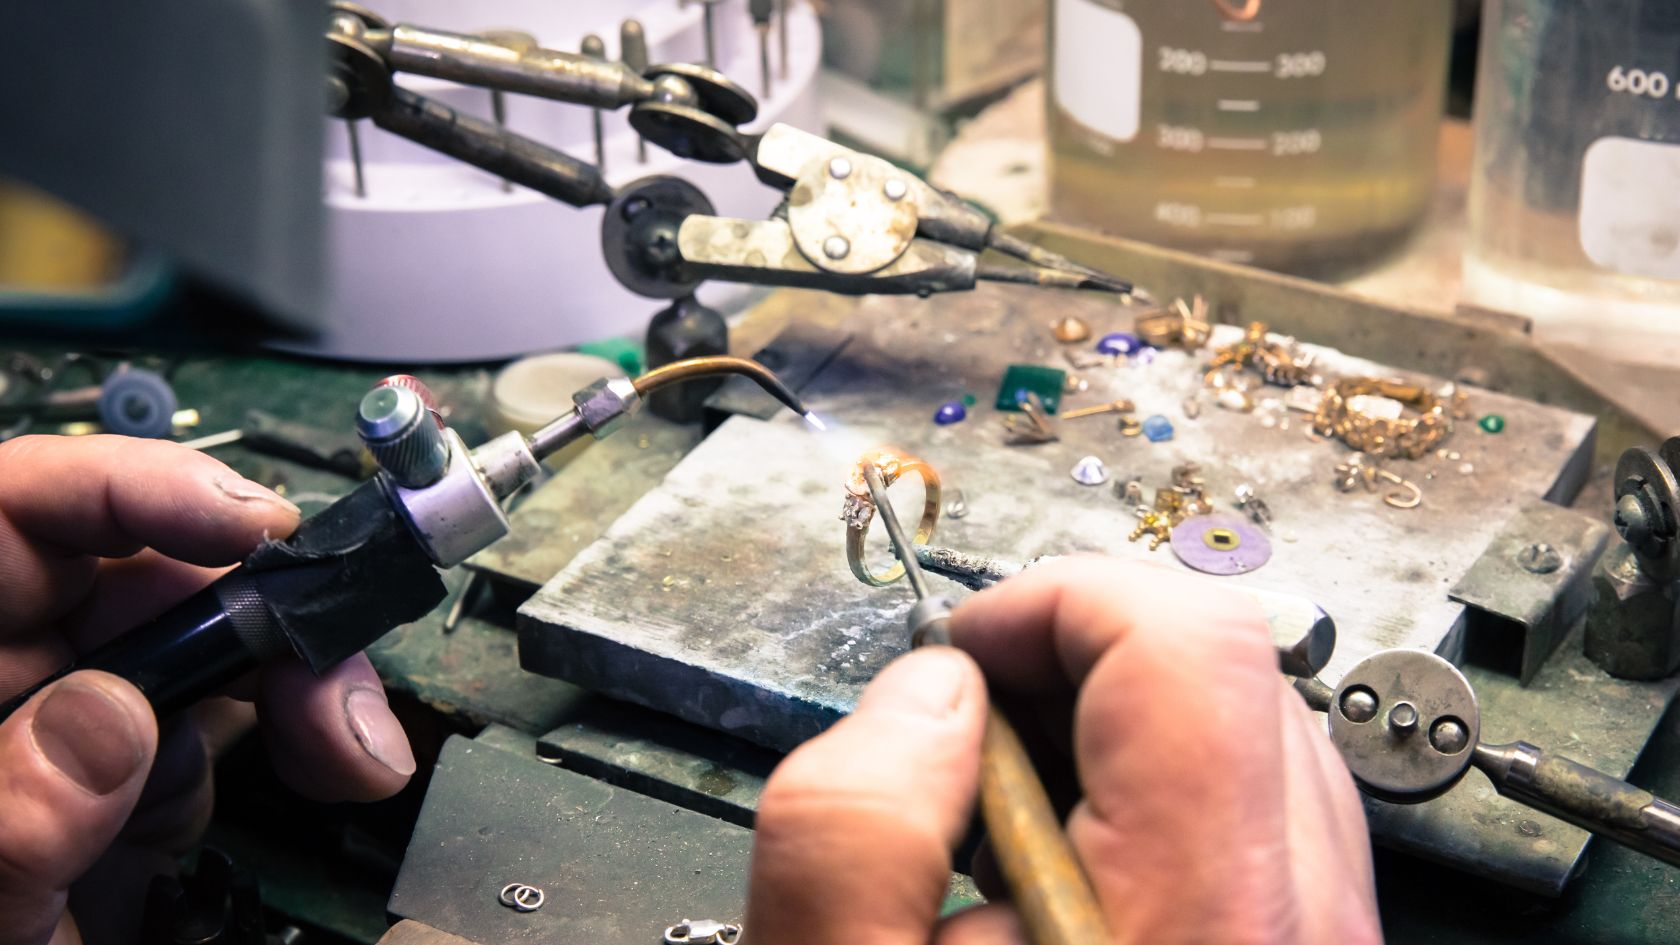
(1157, 429)
(950, 412)
(1118, 343)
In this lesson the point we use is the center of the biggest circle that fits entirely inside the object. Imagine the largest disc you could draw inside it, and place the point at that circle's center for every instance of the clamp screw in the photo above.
(1448, 736)
(895, 189)
(1359, 704)
(1403, 718)
(837, 246)
(839, 168)
(1633, 518)
(403, 437)
(1539, 558)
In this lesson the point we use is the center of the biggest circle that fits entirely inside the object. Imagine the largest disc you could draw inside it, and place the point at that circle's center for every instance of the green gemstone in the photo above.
(968, 400)
(1022, 379)
(1492, 423)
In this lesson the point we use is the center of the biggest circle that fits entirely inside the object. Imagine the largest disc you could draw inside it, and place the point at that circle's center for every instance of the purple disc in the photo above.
(1221, 543)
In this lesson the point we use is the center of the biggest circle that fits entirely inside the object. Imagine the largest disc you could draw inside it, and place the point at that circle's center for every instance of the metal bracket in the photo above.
(1529, 586)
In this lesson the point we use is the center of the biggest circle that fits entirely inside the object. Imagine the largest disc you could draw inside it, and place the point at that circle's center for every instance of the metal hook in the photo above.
(1410, 498)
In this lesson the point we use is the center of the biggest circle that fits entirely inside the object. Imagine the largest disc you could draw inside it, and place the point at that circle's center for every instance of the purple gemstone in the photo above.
(950, 412)
(1117, 343)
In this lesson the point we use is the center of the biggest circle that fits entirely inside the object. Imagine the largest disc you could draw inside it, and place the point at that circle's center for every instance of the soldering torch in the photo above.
(369, 562)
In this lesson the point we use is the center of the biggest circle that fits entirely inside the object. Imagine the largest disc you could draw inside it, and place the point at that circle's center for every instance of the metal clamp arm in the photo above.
(492, 148)
(476, 60)
(764, 253)
(1587, 798)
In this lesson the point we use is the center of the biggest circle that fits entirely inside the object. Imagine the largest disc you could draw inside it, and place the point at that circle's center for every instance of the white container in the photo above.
(437, 263)
(1575, 189)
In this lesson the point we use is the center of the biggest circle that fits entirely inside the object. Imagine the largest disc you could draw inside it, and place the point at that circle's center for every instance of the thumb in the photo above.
(73, 760)
(855, 828)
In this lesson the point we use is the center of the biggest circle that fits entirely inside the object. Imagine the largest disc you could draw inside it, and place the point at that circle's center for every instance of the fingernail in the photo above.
(88, 736)
(931, 681)
(378, 731)
(244, 490)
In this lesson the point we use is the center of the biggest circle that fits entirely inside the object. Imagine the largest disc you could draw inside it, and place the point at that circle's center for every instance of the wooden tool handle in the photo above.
(1032, 851)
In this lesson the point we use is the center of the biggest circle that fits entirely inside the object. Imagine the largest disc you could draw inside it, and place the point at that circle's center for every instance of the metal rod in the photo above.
(782, 7)
(632, 49)
(1587, 798)
(596, 48)
(708, 26)
(498, 108)
(501, 152)
(356, 156)
(902, 546)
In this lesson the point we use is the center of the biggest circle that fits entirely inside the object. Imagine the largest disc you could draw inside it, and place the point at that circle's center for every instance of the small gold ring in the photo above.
(859, 511)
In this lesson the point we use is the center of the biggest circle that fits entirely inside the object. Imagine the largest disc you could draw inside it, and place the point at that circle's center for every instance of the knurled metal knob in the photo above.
(402, 435)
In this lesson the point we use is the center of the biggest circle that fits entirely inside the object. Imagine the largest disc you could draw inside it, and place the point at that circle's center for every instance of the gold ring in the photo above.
(859, 510)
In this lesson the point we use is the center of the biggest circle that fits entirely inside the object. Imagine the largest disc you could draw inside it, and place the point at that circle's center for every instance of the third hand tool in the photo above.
(859, 225)
(1407, 724)
(1038, 864)
(369, 562)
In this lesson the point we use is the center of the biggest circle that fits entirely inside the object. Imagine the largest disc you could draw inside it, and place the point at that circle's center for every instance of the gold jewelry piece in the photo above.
(859, 510)
(1360, 469)
(1177, 324)
(1280, 363)
(1034, 428)
(1117, 406)
(1409, 437)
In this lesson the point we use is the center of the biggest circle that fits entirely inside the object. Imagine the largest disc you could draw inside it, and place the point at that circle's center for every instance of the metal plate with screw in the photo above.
(844, 214)
(639, 235)
(1648, 507)
(717, 93)
(1405, 722)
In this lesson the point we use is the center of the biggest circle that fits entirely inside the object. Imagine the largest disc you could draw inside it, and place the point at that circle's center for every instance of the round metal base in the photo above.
(1406, 724)
(688, 132)
(639, 235)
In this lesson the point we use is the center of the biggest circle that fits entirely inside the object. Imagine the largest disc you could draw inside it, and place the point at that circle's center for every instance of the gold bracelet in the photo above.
(859, 510)
(1408, 437)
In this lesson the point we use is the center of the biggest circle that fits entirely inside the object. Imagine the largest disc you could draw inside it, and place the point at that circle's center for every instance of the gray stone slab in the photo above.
(722, 596)
(616, 867)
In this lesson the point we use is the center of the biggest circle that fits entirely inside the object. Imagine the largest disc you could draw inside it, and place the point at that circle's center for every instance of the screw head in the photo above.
(386, 411)
(1448, 736)
(1359, 704)
(1403, 718)
(1539, 558)
(1632, 521)
(895, 189)
(839, 168)
(836, 247)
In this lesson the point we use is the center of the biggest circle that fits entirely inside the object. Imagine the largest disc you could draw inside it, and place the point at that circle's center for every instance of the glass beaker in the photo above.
(1575, 190)
(1297, 136)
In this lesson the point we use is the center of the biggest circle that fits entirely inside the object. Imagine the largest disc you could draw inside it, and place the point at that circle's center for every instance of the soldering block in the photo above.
(1019, 380)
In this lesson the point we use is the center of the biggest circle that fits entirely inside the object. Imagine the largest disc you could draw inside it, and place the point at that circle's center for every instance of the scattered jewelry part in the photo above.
(1070, 330)
(950, 412)
(1090, 471)
(957, 505)
(521, 897)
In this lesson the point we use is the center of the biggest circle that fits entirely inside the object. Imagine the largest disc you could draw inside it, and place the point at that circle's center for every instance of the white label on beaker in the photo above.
(1630, 206)
(1098, 68)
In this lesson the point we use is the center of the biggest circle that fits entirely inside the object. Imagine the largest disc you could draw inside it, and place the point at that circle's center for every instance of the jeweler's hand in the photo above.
(99, 534)
(1211, 808)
